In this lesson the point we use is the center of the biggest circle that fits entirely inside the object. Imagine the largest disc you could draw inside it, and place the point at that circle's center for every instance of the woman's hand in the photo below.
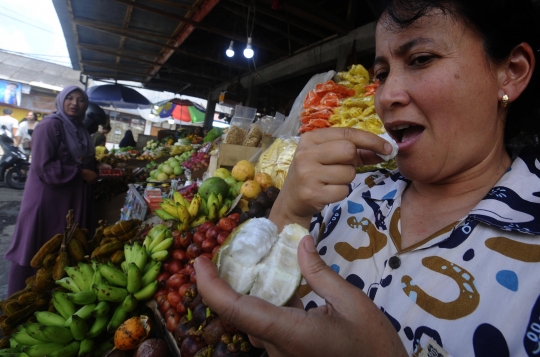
(89, 176)
(323, 167)
(348, 325)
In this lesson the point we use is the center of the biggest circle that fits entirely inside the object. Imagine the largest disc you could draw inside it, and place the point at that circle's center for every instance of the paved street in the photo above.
(10, 204)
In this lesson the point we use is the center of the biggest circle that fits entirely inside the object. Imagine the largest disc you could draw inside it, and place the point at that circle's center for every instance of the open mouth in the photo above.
(404, 133)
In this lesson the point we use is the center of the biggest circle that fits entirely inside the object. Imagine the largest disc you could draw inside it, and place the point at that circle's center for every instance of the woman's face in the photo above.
(30, 116)
(75, 104)
(438, 97)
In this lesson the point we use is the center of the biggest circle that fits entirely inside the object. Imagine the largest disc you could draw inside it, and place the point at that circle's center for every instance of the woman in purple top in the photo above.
(63, 167)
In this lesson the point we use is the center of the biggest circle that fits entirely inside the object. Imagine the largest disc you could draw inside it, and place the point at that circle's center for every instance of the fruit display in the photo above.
(198, 160)
(255, 260)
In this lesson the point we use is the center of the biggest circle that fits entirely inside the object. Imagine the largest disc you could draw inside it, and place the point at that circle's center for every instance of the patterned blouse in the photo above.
(471, 289)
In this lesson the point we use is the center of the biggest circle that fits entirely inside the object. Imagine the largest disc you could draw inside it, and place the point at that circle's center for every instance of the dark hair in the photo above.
(100, 141)
(502, 25)
(7, 111)
(107, 127)
(33, 114)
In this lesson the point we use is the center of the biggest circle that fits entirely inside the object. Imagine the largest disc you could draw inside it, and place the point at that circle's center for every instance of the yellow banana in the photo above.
(195, 205)
(170, 209)
(183, 213)
(178, 198)
(198, 221)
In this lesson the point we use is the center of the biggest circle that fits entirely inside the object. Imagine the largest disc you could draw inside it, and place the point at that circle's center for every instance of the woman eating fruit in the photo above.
(440, 255)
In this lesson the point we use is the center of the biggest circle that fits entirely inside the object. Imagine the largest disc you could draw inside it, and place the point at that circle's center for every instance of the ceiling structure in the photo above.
(179, 45)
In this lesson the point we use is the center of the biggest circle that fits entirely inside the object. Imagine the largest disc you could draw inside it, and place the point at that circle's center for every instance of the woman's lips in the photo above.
(406, 135)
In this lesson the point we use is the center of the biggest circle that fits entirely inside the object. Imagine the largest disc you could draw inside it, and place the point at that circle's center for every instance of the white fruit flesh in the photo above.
(392, 142)
(263, 264)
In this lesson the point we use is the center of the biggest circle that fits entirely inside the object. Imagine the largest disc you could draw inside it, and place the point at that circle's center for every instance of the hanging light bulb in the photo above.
(230, 51)
(248, 52)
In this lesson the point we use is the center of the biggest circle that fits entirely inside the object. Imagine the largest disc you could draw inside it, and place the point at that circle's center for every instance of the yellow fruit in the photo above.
(243, 170)
(222, 172)
(250, 189)
(243, 205)
(131, 333)
(264, 180)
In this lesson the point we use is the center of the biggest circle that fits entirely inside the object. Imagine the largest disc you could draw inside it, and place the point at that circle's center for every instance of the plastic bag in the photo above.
(254, 136)
(290, 127)
(240, 123)
(276, 160)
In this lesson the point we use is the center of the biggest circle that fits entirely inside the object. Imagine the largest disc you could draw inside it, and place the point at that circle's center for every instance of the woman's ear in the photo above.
(516, 72)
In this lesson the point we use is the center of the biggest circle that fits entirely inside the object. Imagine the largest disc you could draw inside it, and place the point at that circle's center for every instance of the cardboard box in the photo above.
(229, 154)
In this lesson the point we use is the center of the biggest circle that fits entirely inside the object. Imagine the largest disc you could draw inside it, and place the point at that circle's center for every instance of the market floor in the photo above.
(10, 204)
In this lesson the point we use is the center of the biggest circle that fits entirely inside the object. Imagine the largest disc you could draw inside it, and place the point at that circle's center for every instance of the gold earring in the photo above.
(504, 101)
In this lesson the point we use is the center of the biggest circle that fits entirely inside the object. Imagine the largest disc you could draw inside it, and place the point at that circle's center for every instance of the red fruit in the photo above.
(165, 305)
(199, 237)
(162, 278)
(185, 239)
(159, 299)
(176, 233)
(206, 255)
(204, 227)
(177, 280)
(193, 277)
(235, 217)
(222, 236)
(227, 224)
(179, 254)
(183, 288)
(175, 266)
(212, 232)
(216, 248)
(194, 250)
(173, 318)
(174, 298)
(181, 309)
(208, 245)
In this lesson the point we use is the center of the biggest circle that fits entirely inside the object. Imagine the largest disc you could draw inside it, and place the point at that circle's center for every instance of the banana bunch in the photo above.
(108, 242)
(194, 213)
(157, 243)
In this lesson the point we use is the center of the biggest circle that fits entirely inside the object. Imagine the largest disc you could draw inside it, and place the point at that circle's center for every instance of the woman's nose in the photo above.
(391, 93)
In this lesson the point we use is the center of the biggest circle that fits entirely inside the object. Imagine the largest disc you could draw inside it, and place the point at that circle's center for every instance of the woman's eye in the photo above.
(380, 76)
(421, 60)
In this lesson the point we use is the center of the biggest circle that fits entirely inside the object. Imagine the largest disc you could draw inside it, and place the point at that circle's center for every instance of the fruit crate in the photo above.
(162, 329)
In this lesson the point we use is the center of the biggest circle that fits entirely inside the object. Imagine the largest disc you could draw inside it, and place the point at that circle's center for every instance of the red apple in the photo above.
(208, 244)
(177, 280)
(199, 237)
(222, 236)
(194, 250)
(175, 266)
(212, 232)
(179, 254)
(162, 278)
(204, 227)
(185, 239)
(227, 224)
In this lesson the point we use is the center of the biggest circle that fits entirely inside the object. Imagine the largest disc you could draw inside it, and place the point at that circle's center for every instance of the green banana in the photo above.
(151, 274)
(42, 350)
(75, 274)
(134, 278)
(163, 215)
(130, 303)
(140, 257)
(124, 265)
(62, 304)
(11, 352)
(87, 273)
(164, 245)
(203, 210)
(198, 221)
(146, 243)
(58, 334)
(23, 338)
(160, 256)
(147, 292)
(78, 328)
(70, 350)
(96, 278)
(83, 297)
(86, 347)
(99, 326)
(170, 209)
(213, 206)
(34, 331)
(157, 239)
(101, 309)
(68, 284)
(149, 266)
(113, 275)
(110, 293)
(84, 313)
(168, 201)
(117, 319)
(220, 199)
(13, 343)
(49, 318)
(128, 249)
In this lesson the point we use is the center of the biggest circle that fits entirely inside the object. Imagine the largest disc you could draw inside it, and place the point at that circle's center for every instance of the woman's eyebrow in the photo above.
(404, 48)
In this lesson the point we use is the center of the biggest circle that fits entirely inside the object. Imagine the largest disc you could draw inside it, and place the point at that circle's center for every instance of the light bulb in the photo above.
(248, 52)
(230, 51)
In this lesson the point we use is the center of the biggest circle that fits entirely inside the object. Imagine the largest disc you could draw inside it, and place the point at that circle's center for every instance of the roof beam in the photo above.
(265, 25)
(115, 52)
(106, 27)
(174, 4)
(278, 15)
(186, 52)
(310, 17)
(152, 63)
(127, 18)
(200, 25)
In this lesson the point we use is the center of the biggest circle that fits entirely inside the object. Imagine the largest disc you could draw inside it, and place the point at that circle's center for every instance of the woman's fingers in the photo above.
(251, 315)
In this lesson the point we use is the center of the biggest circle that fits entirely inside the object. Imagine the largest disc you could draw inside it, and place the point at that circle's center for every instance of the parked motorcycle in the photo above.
(14, 165)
